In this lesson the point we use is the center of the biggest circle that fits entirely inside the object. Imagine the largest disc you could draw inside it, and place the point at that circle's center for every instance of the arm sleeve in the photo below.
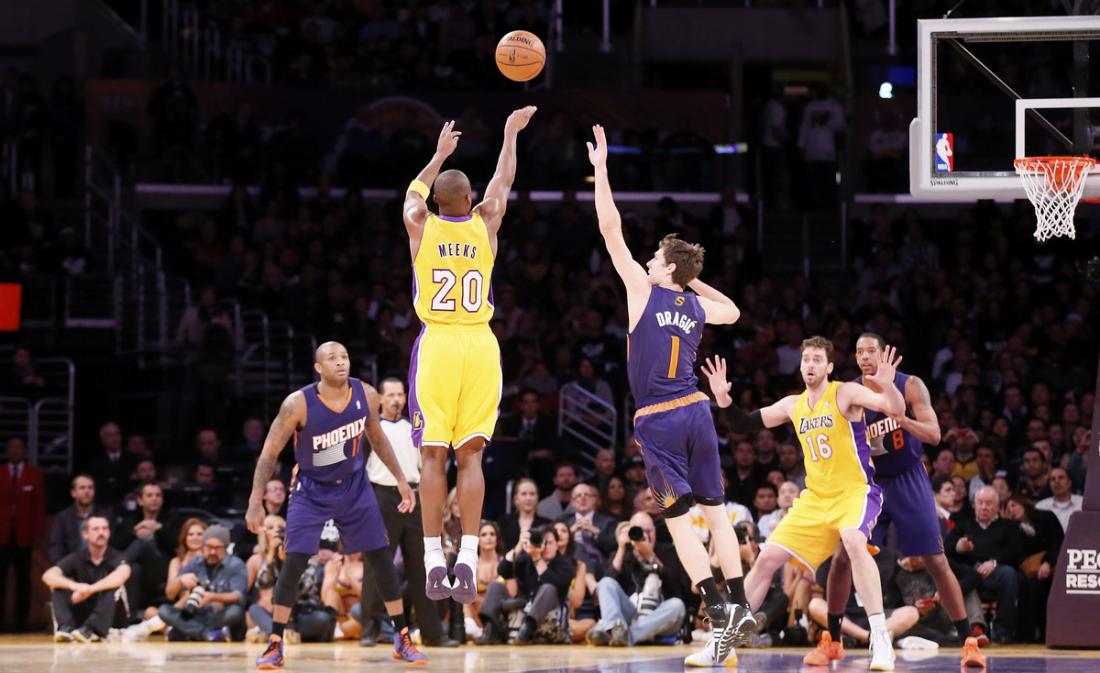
(743, 423)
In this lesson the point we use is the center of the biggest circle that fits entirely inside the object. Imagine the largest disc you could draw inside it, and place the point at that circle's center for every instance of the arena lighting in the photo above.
(735, 148)
(886, 90)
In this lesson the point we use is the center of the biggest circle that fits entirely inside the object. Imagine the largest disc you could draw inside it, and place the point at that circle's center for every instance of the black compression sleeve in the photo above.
(743, 423)
(286, 587)
(384, 572)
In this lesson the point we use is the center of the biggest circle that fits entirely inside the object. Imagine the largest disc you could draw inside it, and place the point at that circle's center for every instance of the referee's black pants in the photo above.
(406, 531)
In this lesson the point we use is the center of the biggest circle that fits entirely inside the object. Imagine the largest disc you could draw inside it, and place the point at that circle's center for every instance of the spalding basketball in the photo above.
(520, 55)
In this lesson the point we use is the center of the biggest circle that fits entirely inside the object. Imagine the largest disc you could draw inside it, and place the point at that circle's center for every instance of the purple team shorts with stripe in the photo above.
(912, 509)
(349, 502)
(680, 449)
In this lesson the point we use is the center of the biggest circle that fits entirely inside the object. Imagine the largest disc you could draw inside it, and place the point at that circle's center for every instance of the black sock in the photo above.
(277, 628)
(834, 626)
(736, 589)
(963, 627)
(708, 589)
(398, 622)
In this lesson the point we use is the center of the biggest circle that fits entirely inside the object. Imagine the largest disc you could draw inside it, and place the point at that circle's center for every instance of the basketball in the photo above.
(520, 55)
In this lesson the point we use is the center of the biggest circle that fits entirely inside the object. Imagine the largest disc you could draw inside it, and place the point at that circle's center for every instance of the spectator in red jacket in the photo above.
(22, 525)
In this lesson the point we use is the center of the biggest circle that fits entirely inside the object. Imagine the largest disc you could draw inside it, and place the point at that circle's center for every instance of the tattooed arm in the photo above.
(292, 414)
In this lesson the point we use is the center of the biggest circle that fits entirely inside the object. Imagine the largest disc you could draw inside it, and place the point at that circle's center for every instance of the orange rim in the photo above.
(1061, 171)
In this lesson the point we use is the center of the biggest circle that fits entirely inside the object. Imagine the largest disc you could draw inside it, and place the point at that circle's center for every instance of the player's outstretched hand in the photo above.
(888, 361)
(408, 498)
(518, 120)
(597, 153)
(448, 140)
(720, 386)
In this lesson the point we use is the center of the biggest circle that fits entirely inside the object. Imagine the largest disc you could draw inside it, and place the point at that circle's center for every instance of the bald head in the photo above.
(331, 362)
(453, 193)
(327, 348)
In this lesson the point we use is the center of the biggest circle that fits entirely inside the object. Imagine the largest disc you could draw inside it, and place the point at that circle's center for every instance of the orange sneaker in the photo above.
(972, 654)
(825, 651)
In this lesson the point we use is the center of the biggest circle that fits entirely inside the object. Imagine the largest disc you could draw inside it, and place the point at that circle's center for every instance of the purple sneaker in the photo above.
(405, 650)
(219, 635)
(272, 658)
(437, 588)
(464, 589)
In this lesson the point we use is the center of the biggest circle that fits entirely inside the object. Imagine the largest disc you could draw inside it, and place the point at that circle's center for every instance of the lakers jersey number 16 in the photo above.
(452, 272)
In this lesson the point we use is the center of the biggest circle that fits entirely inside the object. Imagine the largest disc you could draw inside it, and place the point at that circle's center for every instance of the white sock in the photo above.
(154, 624)
(467, 552)
(877, 622)
(433, 552)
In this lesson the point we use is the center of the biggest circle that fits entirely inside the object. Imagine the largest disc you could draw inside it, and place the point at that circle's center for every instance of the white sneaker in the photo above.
(708, 658)
(255, 635)
(882, 652)
(135, 633)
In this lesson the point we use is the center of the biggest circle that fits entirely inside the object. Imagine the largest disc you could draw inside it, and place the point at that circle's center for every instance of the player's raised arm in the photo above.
(719, 309)
(494, 204)
(889, 401)
(291, 416)
(380, 444)
(415, 210)
(771, 416)
(611, 225)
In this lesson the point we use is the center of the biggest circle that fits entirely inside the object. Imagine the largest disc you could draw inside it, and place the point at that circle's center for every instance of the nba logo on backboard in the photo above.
(945, 152)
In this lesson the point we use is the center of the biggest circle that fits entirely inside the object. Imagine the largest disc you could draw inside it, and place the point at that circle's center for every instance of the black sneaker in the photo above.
(744, 625)
(527, 632)
(720, 617)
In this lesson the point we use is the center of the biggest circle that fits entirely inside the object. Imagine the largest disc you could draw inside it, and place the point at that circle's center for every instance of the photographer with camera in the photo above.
(309, 616)
(543, 577)
(218, 582)
(644, 589)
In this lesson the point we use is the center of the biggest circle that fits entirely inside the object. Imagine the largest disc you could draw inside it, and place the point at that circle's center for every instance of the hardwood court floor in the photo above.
(36, 654)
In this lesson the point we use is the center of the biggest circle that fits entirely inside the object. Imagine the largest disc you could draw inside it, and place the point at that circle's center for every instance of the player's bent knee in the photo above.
(433, 453)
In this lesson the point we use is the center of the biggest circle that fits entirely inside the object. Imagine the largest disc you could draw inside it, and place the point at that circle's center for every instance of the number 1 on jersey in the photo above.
(674, 357)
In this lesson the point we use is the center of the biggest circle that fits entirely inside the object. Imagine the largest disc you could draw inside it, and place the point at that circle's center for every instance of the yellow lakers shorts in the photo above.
(811, 530)
(454, 384)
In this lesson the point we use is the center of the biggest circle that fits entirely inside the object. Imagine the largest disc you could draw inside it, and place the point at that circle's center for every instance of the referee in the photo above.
(404, 529)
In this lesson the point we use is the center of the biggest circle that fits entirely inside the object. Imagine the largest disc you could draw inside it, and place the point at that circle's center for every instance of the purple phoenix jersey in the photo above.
(661, 350)
(909, 505)
(903, 450)
(330, 446)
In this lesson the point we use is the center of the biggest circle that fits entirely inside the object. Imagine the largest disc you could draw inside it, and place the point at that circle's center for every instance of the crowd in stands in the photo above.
(1004, 339)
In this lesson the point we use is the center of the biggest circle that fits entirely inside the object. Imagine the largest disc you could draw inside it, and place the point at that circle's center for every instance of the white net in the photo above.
(1054, 185)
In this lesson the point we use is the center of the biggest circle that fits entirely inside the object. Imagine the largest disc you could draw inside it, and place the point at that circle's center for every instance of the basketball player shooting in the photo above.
(841, 500)
(454, 371)
(897, 446)
(673, 423)
(328, 421)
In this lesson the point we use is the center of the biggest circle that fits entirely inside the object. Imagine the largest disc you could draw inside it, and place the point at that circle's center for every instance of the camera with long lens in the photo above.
(636, 533)
(193, 599)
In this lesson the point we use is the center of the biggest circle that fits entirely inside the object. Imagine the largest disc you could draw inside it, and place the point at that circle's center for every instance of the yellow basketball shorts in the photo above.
(811, 530)
(454, 384)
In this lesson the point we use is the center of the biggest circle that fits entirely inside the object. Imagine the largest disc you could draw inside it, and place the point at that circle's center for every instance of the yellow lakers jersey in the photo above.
(835, 450)
(452, 272)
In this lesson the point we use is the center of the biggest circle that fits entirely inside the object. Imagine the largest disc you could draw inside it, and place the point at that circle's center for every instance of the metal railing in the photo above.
(205, 50)
(147, 301)
(587, 418)
(15, 419)
(53, 418)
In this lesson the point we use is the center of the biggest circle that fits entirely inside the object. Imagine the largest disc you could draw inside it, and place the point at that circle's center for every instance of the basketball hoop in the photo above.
(1054, 186)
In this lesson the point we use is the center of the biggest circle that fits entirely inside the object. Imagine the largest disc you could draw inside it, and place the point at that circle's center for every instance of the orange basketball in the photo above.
(520, 55)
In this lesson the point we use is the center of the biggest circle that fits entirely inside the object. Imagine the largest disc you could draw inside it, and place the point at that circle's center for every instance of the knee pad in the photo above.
(286, 587)
(381, 560)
